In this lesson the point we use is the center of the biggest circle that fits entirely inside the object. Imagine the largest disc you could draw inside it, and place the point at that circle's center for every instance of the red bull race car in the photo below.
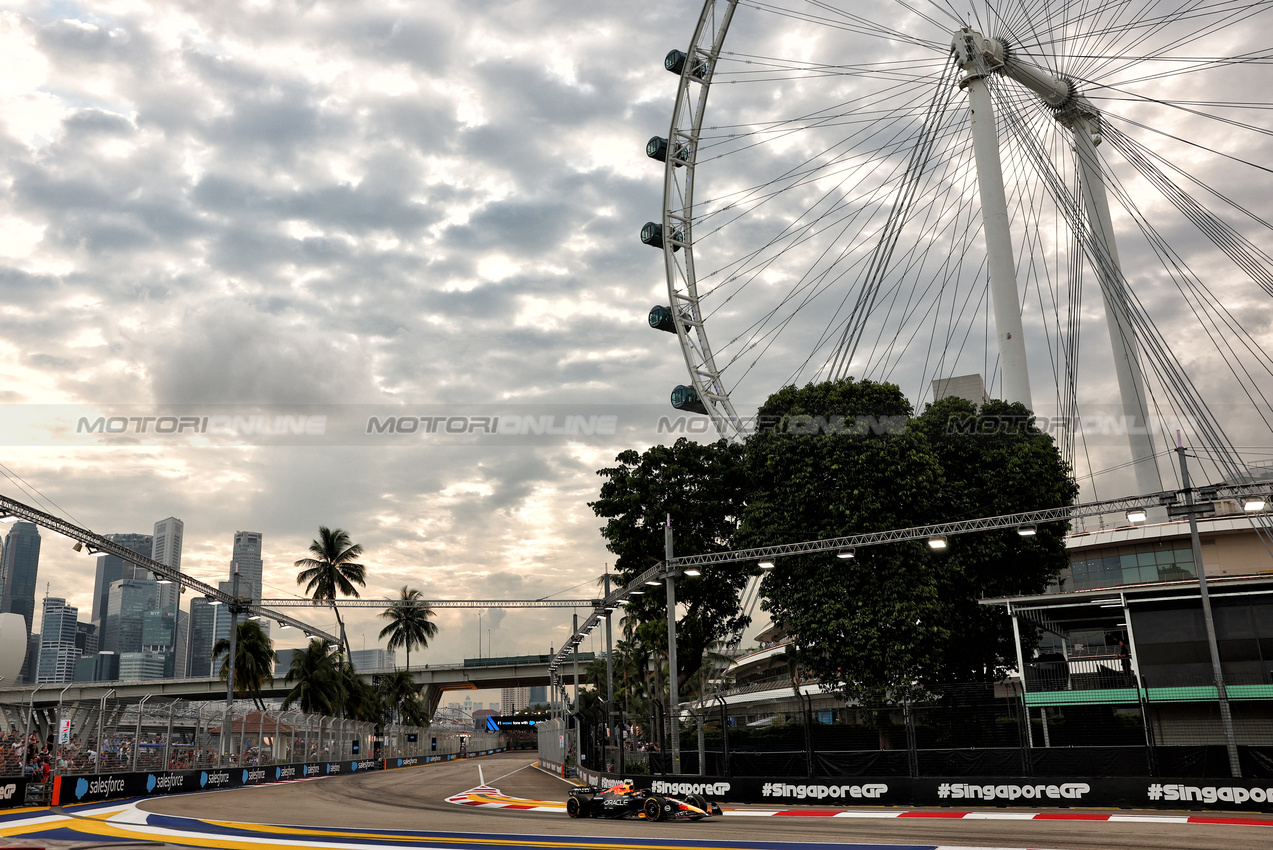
(627, 801)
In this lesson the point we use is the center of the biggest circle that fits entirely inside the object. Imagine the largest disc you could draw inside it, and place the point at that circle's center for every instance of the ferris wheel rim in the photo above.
(677, 224)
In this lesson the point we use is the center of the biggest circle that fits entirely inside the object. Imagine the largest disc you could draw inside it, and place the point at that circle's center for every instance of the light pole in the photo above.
(673, 718)
(610, 681)
(234, 634)
(1226, 717)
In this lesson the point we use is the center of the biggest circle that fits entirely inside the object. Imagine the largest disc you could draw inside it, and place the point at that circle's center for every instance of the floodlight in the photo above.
(766, 565)
(1137, 515)
(937, 542)
(846, 554)
(1027, 530)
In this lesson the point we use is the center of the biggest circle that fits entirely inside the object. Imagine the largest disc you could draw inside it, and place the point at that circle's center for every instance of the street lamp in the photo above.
(846, 554)
(938, 542)
(1027, 530)
(766, 565)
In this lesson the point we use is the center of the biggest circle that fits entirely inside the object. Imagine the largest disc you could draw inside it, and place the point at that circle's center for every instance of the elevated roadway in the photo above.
(435, 679)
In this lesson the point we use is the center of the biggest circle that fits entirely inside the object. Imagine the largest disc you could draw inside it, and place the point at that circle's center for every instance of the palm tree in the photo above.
(401, 693)
(332, 570)
(254, 659)
(362, 702)
(315, 679)
(409, 623)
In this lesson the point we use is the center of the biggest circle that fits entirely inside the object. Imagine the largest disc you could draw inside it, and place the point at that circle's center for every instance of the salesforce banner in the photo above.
(967, 792)
(112, 786)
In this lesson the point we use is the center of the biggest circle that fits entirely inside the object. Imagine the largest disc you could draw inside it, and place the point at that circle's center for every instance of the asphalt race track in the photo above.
(409, 808)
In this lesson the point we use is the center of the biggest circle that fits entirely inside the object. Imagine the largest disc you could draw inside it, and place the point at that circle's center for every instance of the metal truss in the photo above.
(435, 603)
(96, 544)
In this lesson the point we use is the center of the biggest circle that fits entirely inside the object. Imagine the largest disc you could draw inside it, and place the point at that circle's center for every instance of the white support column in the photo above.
(1122, 335)
(1074, 111)
(974, 55)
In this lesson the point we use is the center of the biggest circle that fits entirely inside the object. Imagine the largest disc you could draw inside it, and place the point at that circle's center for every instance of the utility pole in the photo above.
(1226, 717)
(234, 636)
(673, 718)
(610, 682)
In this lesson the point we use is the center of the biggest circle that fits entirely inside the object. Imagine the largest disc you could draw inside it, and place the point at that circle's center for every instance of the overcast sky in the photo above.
(332, 211)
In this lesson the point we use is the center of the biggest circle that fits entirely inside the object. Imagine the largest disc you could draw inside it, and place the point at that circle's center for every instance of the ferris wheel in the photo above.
(828, 211)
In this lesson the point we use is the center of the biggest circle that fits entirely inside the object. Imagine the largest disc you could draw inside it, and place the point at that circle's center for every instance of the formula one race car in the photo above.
(626, 801)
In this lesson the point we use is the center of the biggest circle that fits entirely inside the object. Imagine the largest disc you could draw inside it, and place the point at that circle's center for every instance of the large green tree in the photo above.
(332, 569)
(702, 487)
(830, 460)
(844, 458)
(254, 659)
(410, 622)
(995, 461)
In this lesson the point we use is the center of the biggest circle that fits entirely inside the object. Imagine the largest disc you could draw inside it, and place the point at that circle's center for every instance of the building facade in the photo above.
(166, 549)
(247, 557)
(202, 635)
(58, 652)
(127, 600)
(111, 568)
(19, 567)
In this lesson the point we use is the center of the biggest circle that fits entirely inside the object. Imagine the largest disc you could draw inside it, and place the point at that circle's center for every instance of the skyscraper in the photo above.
(127, 600)
(159, 636)
(58, 652)
(203, 625)
(247, 555)
(167, 550)
(19, 564)
(111, 569)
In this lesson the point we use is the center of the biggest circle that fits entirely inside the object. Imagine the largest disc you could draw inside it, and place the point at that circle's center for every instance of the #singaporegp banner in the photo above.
(68, 790)
(1253, 795)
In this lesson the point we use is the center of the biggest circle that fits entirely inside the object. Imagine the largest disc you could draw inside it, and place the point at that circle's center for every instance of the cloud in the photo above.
(300, 204)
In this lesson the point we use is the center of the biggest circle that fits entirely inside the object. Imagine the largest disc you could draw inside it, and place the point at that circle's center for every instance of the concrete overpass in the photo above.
(435, 679)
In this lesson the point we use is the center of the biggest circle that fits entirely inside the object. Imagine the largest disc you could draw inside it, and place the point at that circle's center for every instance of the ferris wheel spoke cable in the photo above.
(1211, 313)
(949, 265)
(1245, 254)
(916, 165)
(897, 313)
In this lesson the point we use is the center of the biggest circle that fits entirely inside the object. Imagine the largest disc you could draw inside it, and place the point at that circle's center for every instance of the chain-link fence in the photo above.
(964, 730)
(111, 735)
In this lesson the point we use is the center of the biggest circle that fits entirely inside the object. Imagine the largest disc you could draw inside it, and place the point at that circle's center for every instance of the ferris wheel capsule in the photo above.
(675, 62)
(652, 235)
(686, 398)
(657, 148)
(661, 319)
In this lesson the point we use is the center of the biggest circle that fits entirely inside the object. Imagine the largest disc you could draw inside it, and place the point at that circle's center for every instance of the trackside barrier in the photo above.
(13, 792)
(1254, 795)
(111, 786)
(412, 761)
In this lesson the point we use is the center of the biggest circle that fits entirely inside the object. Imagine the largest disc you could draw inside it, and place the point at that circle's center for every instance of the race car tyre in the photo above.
(698, 803)
(574, 807)
(654, 809)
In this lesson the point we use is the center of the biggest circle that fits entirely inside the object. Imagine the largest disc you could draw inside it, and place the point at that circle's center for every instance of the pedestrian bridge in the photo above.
(521, 671)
